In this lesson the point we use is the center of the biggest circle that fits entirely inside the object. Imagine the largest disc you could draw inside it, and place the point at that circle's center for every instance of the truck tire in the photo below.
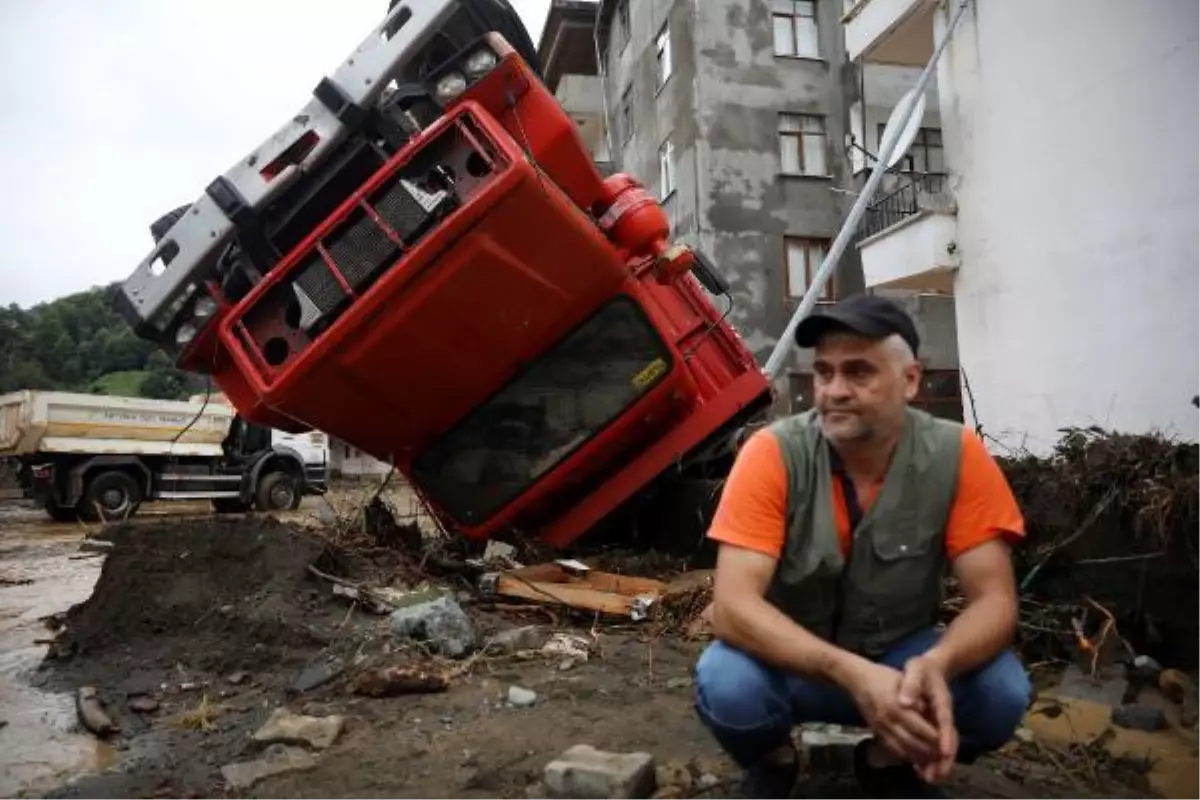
(277, 491)
(114, 495)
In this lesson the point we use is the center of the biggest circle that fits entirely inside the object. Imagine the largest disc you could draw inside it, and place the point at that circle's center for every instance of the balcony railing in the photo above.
(901, 203)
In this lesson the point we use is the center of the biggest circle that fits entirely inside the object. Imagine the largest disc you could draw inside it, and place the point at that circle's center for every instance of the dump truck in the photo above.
(425, 262)
(86, 456)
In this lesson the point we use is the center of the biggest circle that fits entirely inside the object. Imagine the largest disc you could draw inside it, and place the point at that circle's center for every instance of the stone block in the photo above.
(284, 727)
(583, 772)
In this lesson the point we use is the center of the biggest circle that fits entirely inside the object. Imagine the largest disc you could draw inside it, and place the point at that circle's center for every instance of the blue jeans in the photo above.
(751, 707)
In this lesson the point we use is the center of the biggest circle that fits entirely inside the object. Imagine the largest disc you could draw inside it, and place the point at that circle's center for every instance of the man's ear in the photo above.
(912, 380)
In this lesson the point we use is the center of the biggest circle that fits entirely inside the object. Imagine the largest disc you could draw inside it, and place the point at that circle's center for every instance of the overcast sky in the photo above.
(113, 112)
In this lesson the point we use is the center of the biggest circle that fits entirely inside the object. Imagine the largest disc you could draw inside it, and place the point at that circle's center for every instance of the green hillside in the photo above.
(79, 343)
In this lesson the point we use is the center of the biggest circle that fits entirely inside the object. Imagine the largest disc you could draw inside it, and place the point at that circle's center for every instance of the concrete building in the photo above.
(567, 52)
(737, 114)
(1066, 223)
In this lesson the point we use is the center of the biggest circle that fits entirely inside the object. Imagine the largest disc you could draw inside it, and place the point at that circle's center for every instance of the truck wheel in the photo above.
(278, 491)
(114, 494)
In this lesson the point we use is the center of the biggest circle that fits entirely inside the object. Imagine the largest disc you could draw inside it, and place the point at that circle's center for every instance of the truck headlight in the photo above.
(480, 62)
(185, 334)
(450, 86)
(205, 307)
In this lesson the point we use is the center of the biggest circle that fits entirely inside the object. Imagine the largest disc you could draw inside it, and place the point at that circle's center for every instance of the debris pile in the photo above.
(1111, 524)
(207, 588)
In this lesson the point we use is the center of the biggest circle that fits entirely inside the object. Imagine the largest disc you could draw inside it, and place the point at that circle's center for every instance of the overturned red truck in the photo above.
(426, 263)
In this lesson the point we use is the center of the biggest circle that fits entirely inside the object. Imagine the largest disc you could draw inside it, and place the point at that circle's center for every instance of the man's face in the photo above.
(861, 387)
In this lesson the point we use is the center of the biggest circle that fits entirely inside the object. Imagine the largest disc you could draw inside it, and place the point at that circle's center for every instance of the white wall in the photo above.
(1072, 129)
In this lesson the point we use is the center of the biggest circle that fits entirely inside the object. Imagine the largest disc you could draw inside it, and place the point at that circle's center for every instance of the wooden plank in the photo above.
(576, 596)
(623, 584)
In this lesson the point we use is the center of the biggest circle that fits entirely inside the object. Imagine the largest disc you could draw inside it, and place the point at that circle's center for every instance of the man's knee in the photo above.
(995, 700)
(736, 692)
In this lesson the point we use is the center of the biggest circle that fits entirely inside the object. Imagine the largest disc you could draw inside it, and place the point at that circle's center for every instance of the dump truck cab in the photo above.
(454, 288)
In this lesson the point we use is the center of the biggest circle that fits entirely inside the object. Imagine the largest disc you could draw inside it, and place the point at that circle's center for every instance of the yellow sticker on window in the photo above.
(648, 375)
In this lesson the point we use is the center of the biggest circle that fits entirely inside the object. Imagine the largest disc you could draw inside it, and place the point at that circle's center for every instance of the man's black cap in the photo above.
(867, 315)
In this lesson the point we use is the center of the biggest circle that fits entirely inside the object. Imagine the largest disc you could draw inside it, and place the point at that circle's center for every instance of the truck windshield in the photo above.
(557, 403)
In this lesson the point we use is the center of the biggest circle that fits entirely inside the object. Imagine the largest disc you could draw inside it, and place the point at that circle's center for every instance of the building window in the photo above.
(802, 144)
(804, 256)
(627, 114)
(662, 48)
(666, 170)
(796, 28)
(925, 156)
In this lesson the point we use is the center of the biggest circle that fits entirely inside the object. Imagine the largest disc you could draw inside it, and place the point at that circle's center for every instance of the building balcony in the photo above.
(896, 32)
(907, 238)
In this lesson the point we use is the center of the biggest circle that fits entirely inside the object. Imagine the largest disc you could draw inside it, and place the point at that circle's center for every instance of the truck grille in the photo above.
(360, 249)
(317, 291)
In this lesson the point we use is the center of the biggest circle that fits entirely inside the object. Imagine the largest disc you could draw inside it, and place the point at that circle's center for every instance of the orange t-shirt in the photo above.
(752, 512)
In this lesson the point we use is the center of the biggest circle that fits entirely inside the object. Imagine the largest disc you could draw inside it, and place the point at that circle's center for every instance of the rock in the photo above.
(827, 748)
(668, 793)
(1139, 718)
(284, 727)
(514, 640)
(95, 546)
(276, 760)
(1146, 669)
(1023, 735)
(567, 664)
(674, 774)
(143, 704)
(583, 771)
(707, 781)
(441, 622)
(91, 712)
(1176, 685)
(535, 790)
(237, 678)
(521, 698)
(679, 683)
(317, 673)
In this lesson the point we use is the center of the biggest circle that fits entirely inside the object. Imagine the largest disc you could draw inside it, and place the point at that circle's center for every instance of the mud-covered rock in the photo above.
(441, 623)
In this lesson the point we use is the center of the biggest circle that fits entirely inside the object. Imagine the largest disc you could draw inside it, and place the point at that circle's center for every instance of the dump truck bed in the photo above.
(65, 422)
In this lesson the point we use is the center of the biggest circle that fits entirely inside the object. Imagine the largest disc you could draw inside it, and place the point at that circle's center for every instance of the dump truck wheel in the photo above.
(278, 491)
(111, 496)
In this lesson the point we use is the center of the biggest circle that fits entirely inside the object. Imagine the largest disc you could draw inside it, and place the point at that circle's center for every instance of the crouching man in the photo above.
(836, 527)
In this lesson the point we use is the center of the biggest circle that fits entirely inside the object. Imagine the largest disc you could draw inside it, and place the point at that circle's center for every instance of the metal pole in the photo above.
(786, 341)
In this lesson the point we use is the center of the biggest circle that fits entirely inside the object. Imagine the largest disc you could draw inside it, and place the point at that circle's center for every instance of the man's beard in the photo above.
(852, 429)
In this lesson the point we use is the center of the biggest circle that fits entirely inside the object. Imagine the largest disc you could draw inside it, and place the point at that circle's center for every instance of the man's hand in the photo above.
(902, 729)
(924, 689)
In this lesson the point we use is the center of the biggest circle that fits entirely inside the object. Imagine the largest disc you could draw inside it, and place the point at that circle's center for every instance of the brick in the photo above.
(584, 772)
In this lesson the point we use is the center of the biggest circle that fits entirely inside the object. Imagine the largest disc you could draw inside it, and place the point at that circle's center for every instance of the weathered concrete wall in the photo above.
(657, 112)
(747, 206)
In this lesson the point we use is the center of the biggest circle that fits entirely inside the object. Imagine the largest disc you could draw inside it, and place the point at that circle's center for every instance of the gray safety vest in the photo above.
(891, 586)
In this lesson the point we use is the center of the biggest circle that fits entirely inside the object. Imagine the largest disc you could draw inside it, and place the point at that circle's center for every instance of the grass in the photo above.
(122, 384)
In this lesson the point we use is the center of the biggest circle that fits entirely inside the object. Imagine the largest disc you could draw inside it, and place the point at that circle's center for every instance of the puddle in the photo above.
(41, 743)
(1175, 770)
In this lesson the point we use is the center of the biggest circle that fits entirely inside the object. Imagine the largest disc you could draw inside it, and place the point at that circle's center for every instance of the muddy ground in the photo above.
(215, 620)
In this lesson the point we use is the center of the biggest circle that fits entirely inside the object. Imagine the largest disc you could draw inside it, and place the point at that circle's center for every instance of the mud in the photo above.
(214, 620)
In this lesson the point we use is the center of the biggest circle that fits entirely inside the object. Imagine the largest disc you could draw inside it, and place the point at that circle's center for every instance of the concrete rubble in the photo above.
(583, 771)
(275, 760)
(285, 727)
(439, 621)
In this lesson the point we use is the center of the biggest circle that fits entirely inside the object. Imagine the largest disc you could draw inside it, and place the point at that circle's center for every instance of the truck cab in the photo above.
(426, 263)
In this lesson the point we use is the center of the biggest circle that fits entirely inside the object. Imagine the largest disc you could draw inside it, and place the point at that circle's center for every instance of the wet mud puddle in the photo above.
(41, 742)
